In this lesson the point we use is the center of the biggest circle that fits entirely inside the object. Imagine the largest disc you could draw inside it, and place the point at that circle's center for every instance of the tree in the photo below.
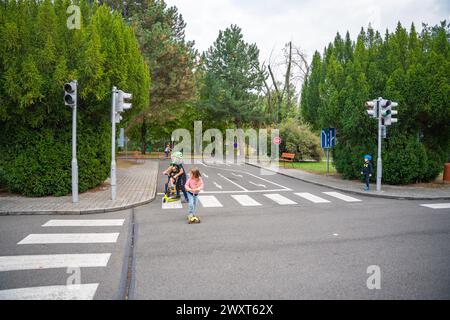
(172, 61)
(233, 78)
(410, 68)
(38, 54)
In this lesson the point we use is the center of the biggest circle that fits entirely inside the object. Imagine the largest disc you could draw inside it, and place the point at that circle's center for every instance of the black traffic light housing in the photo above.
(70, 93)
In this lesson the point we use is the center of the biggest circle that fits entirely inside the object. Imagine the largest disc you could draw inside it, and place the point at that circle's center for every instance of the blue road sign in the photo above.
(328, 138)
(332, 137)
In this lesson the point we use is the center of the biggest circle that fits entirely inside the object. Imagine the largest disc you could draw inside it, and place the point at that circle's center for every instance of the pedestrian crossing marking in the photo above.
(52, 238)
(209, 201)
(342, 196)
(172, 205)
(278, 198)
(30, 262)
(245, 200)
(437, 205)
(61, 292)
(311, 197)
(84, 223)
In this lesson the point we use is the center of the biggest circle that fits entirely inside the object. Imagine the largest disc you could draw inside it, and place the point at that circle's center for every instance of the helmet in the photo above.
(177, 157)
(368, 157)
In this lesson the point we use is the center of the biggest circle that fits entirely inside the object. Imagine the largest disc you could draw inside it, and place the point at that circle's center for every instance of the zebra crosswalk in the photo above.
(253, 200)
(51, 260)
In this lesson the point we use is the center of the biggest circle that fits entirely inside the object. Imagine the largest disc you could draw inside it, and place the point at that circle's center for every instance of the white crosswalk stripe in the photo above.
(245, 200)
(278, 198)
(63, 292)
(437, 205)
(172, 205)
(311, 197)
(220, 199)
(84, 223)
(48, 238)
(342, 196)
(50, 261)
(209, 201)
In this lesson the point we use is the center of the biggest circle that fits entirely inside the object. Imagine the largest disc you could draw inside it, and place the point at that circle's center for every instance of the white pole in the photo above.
(113, 145)
(74, 149)
(379, 162)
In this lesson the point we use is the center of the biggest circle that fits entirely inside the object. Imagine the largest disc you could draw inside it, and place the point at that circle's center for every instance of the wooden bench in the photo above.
(287, 157)
(138, 156)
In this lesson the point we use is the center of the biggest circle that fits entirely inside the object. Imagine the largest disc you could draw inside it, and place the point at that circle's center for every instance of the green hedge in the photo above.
(38, 54)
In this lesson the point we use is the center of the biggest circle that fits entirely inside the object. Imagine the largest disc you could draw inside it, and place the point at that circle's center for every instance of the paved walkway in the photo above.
(387, 191)
(136, 185)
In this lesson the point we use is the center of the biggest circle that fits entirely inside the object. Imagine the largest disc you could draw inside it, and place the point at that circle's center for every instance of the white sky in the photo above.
(309, 24)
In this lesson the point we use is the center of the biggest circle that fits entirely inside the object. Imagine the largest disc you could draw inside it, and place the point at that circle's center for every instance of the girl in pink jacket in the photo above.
(193, 187)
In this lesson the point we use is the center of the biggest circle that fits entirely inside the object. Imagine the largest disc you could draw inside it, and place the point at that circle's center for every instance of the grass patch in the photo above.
(313, 167)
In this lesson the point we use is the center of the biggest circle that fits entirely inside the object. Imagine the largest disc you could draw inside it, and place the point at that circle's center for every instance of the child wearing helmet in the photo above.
(180, 175)
(367, 171)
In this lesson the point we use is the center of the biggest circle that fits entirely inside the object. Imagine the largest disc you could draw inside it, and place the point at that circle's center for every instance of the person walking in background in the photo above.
(367, 171)
(193, 186)
(167, 151)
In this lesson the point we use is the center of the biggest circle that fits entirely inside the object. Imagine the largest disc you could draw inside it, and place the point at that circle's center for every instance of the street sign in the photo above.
(328, 138)
(277, 140)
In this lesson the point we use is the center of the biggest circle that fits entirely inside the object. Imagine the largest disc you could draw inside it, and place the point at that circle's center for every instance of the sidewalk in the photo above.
(136, 185)
(387, 191)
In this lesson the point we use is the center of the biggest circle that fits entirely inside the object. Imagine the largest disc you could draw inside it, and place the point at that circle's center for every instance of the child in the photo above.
(367, 170)
(167, 151)
(193, 187)
(171, 181)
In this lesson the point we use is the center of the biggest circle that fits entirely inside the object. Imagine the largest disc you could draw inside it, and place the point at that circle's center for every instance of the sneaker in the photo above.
(184, 201)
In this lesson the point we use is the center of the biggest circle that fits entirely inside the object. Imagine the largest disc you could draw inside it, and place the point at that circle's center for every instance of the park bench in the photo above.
(287, 157)
(138, 156)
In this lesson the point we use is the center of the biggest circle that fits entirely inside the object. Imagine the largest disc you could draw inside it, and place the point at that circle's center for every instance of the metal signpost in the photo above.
(381, 109)
(118, 106)
(70, 99)
(328, 140)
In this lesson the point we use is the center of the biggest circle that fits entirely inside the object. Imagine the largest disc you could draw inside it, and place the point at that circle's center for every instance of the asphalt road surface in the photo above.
(261, 237)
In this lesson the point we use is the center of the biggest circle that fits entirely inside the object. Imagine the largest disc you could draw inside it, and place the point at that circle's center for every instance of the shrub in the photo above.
(38, 54)
(299, 139)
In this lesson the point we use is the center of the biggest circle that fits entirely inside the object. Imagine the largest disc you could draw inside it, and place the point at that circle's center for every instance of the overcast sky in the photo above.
(309, 24)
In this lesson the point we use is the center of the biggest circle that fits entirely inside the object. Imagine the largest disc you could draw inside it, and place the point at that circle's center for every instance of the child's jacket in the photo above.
(367, 168)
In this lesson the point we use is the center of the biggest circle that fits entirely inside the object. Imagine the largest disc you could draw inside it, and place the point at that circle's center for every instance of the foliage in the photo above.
(38, 54)
(410, 68)
(299, 139)
(232, 79)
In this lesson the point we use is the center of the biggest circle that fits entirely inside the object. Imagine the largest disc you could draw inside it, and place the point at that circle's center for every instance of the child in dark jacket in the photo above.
(367, 171)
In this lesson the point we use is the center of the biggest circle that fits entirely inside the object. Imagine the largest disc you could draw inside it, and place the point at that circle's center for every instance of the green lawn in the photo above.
(314, 167)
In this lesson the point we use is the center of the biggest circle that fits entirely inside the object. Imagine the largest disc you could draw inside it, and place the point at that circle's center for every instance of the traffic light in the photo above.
(389, 113)
(121, 105)
(371, 108)
(70, 93)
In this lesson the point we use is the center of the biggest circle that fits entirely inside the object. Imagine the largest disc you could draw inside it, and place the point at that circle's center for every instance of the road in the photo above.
(261, 237)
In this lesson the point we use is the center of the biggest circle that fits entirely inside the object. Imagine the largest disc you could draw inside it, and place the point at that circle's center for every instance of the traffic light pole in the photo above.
(74, 153)
(379, 161)
(113, 145)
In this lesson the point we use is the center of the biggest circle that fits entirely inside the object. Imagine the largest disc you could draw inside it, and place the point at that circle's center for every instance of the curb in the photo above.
(375, 195)
(83, 212)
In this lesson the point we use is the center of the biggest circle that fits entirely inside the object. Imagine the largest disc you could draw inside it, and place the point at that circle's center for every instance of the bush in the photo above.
(299, 139)
(38, 54)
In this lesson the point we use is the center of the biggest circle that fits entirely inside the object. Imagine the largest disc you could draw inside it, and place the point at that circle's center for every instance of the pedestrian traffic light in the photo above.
(70, 93)
(389, 113)
(121, 105)
(371, 108)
